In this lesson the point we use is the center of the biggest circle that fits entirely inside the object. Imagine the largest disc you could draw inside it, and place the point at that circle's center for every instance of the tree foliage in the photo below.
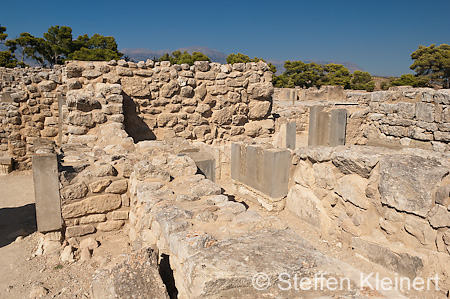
(411, 80)
(179, 58)
(95, 48)
(58, 45)
(336, 74)
(306, 75)
(23, 44)
(362, 81)
(433, 62)
(7, 58)
(242, 58)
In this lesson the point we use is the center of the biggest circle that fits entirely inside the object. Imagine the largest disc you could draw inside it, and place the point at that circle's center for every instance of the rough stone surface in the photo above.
(303, 203)
(352, 188)
(117, 187)
(78, 231)
(402, 263)
(439, 217)
(136, 277)
(406, 182)
(92, 205)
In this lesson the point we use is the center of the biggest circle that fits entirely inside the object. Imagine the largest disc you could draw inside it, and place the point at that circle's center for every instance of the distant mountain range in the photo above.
(217, 56)
(139, 54)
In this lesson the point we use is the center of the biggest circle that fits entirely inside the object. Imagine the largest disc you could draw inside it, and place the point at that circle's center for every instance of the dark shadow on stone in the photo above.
(134, 125)
(17, 221)
(166, 273)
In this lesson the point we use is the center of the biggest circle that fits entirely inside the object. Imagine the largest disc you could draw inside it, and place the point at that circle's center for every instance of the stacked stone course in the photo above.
(153, 100)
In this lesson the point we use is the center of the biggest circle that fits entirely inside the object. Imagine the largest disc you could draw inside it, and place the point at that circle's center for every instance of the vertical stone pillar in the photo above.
(319, 121)
(276, 166)
(235, 160)
(327, 128)
(338, 125)
(287, 135)
(46, 192)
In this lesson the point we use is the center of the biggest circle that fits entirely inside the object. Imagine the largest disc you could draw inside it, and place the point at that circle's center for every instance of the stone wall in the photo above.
(28, 111)
(401, 117)
(404, 117)
(152, 100)
(391, 206)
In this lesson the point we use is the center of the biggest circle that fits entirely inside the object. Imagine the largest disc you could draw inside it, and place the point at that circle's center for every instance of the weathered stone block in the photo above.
(78, 231)
(406, 182)
(92, 205)
(402, 263)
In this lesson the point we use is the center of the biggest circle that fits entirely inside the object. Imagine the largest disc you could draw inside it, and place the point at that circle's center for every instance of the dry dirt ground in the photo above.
(21, 271)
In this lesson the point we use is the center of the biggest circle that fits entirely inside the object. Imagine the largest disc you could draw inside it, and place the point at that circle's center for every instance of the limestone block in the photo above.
(439, 217)
(304, 174)
(118, 187)
(92, 205)
(123, 71)
(325, 176)
(399, 262)
(118, 215)
(78, 231)
(111, 225)
(74, 191)
(46, 86)
(302, 202)
(259, 110)
(352, 188)
(421, 230)
(145, 170)
(135, 87)
(96, 218)
(204, 188)
(405, 186)
(91, 74)
(222, 117)
(169, 89)
(167, 120)
(137, 274)
(442, 196)
(178, 166)
(425, 111)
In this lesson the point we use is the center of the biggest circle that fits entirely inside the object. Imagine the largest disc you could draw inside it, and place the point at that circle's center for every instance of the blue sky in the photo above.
(377, 35)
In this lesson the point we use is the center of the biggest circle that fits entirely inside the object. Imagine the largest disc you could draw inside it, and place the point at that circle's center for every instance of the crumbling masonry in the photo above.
(175, 154)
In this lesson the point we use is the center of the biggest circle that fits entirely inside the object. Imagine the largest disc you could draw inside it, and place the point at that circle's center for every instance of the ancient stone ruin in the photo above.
(205, 166)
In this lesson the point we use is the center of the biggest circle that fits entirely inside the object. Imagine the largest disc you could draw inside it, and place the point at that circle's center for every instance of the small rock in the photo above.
(67, 254)
(85, 254)
(89, 243)
(38, 291)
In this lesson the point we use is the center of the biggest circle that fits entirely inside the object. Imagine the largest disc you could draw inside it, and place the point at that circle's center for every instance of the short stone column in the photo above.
(46, 192)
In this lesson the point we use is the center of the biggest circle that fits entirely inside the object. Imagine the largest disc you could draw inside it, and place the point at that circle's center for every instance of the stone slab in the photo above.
(288, 133)
(46, 190)
(338, 125)
(313, 137)
(265, 170)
